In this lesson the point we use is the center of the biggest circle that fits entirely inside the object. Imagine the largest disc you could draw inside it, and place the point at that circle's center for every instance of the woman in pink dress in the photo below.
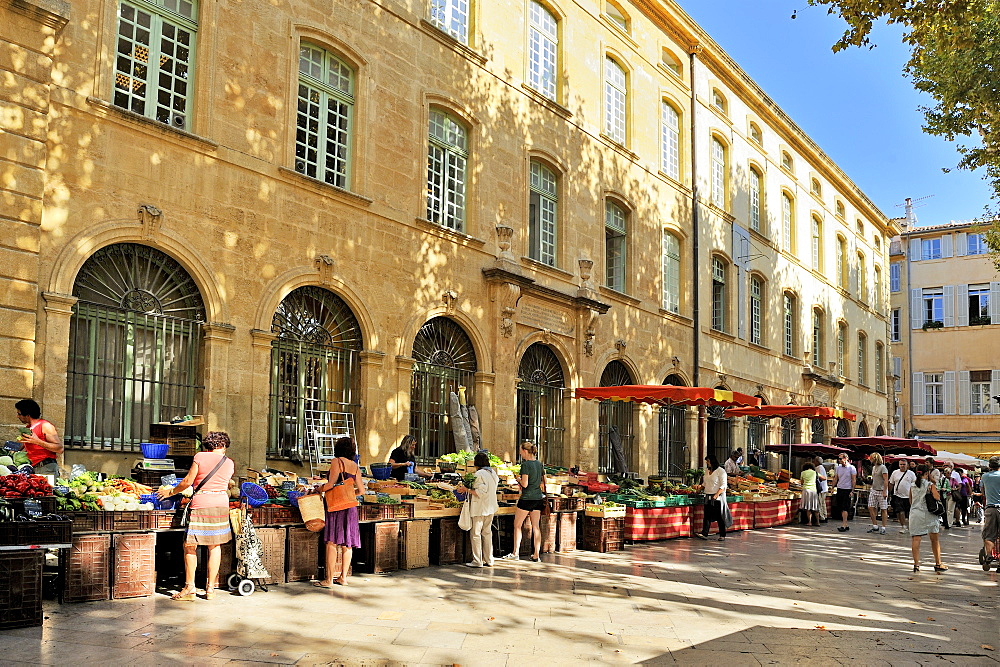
(208, 522)
(342, 532)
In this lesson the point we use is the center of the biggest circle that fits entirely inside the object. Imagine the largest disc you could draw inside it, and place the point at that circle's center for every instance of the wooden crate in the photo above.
(379, 512)
(134, 573)
(414, 544)
(273, 540)
(227, 564)
(183, 440)
(386, 547)
(548, 526)
(272, 515)
(21, 588)
(566, 536)
(87, 569)
(304, 555)
(603, 535)
(447, 542)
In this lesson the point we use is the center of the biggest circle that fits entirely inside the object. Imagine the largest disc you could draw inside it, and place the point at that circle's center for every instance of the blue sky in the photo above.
(856, 104)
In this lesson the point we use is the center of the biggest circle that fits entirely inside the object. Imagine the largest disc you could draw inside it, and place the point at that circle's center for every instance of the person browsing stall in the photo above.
(342, 533)
(42, 444)
(483, 505)
(532, 501)
(990, 484)
(845, 478)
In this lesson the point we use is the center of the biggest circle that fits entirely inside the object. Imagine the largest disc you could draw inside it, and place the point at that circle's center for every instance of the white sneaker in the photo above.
(881, 530)
(510, 556)
(473, 565)
(904, 531)
(873, 529)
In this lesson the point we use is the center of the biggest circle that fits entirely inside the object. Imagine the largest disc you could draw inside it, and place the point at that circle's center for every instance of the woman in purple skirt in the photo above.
(342, 533)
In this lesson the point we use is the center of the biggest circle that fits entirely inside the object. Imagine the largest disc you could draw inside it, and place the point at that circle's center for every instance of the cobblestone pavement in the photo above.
(776, 596)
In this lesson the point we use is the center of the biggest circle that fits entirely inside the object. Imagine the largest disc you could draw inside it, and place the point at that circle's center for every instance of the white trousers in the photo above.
(822, 506)
(482, 540)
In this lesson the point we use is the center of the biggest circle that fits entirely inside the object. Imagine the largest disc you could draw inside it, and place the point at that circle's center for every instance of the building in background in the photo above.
(356, 207)
(945, 322)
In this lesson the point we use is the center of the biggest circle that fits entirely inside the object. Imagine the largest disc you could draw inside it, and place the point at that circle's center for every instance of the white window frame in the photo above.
(670, 140)
(447, 164)
(817, 338)
(543, 50)
(894, 269)
(452, 17)
(671, 265)
(930, 248)
(842, 350)
(817, 244)
(862, 360)
(755, 200)
(615, 101)
(879, 367)
(324, 121)
(543, 213)
(163, 50)
(981, 292)
(718, 172)
(934, 393)
(895, 324)
(615, 245)
(787, 222)
(788, 306)
(976, 244)
(932, 303)
(756, 309)
(719, 295)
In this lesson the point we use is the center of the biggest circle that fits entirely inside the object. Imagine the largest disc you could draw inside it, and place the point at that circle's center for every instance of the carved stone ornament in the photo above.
(675, 360)
(508, 295)
(448, 298)
(505, 258)
(587, 288)
(150, 218)
(760, 389)
(620, 345)
(589, 331)
(721, 381)
(324, 265)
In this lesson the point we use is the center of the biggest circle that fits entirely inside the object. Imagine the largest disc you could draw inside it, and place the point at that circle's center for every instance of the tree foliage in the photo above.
(955, 59)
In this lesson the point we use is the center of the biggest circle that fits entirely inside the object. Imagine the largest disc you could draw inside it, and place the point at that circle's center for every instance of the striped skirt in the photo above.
(209, 525)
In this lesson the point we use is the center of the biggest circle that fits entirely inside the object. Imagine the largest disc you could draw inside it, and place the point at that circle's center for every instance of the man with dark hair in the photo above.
(991, 522)
(41, 441)
(732, 464)
(844, 479)
(821, 487)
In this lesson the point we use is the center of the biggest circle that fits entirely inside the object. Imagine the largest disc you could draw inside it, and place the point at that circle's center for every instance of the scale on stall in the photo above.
(156, 464)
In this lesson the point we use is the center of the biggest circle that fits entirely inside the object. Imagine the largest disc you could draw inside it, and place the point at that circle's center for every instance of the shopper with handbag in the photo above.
(926, 509)
(482, 505)
(532, 501)
(207, 515)
(716, 483)
(342, 533)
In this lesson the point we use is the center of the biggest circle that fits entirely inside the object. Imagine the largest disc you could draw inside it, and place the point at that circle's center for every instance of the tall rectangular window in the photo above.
(930, 248)
(979, 304)
(754, 200)
(615, 231)
(976, 244)
(894, 277)
(879, 367)
(788, 305)
(934, 393)
(543, 50)
(862, 359)
(895, 325)
(842, 272)
(155, 53)
(980, 387)
(842, 350)
(877, 290)
(756, 309)
(670, 141)
(446, 162)
(787, 224)
(718, 173)
(452, 16)
(615, 98)
(542, 214)
(933, 305)
(817, 244)
(861, 287)
(817, 338)
(718, 294)
(323, 119)
(671, 273)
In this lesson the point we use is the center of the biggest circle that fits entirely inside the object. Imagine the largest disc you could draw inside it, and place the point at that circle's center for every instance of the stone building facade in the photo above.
(943, 327)
(263, 212)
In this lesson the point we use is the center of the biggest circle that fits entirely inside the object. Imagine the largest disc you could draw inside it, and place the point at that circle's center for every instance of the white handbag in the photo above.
(465, 516)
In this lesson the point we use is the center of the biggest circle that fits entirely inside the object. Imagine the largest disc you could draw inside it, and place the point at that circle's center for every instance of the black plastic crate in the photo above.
(24, 533)
(21, 588)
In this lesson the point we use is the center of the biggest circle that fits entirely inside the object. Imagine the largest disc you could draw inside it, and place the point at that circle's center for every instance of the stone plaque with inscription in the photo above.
(543, 315)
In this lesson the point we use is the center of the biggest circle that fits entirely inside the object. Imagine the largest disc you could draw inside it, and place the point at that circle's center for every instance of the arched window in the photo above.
(755, 134)
(815, 187)
(134, 347)
(863, 430)
(670, 140)
(879, 367)
(862, 359)
(786, 161)
(757, 435)
(447, 157)
(841, 211)
(672, 436)
(615, 242)
(877, 290)
(756, 310)
(879, 430)
(615, 419)
(790, 310)
(315, 372)
(843, 428)
(444, 360)
(819, 430)
(543, 214)
(540, 403)
(671, 273)
(719, 101)
(672, 62)
(325, 116)
(787, 223)
(817, 244)
(791, 431)
(842, 270)
(719, 295)
(543, 50)
(755, 199)
(452, 17)
(818, 343)
(719, 169)
(615, 100)
(720, 433)
(618, 17)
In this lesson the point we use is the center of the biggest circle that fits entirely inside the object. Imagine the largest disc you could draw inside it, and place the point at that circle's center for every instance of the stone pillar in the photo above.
(401, 401)
(374, 423)
(645, 442)
(260, 403)
(53, 356)
(219, 414)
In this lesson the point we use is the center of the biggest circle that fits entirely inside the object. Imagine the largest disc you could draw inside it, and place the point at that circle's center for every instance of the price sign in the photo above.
(288, 486)
(33, 508)
(169, 480)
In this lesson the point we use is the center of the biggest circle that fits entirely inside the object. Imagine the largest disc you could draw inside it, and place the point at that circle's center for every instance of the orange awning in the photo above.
(792, 412)
(667, 395)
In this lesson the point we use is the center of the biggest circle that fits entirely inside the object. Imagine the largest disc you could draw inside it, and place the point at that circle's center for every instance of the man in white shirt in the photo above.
(845, 477)
(956, 490)
(821, 487)
(732, 465)
(900, 482)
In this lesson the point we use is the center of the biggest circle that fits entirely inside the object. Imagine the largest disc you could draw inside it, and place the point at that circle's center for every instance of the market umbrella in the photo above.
(963, 460)
(792, 412)
(617, 451)
(667, 396)
(807, 449)
(884, 444)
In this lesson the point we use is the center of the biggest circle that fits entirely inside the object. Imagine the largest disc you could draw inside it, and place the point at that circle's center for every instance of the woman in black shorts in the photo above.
(532, 483)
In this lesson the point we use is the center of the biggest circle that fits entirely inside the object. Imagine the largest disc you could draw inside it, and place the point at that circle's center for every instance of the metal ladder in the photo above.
(323, 429)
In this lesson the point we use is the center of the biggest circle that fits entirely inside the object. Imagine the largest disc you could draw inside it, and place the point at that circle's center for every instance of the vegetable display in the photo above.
(24, 486)
(87, 492)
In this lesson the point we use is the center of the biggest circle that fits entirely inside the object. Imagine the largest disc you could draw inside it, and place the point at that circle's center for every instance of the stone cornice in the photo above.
(52, 13)
(529, 286)
(59, 303)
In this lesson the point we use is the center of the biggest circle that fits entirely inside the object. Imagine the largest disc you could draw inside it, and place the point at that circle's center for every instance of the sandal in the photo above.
(323, 584)
(210, 593)
(940, 568)
(184, 595)
(340, 581)
(916, 568)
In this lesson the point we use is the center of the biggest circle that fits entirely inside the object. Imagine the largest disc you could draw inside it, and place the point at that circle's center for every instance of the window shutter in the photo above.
(917, 393)
(914, 250)
(946, 246)
(916, 309)
(897, 366)
(949, 392)
(994, 388)
(962, 305)
(961, 244)
(964, 393)
(994, 303)
(949, 305)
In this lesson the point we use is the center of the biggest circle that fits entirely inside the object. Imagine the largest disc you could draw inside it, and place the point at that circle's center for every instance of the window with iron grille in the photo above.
(615, 236)
(540, 398)
(755, 200)
(444, 360)
(672, 436)
(670, 140)
(756, 310)
(324, 117)
(155, 58)
(134, 348)
(791, 431)
(720, 433)
(756, 434)
(615, 100)
(543, 49)
(314, 366)
(542, 214)
(671, 259)
(843, 428)
(452, 17)
(718, 294)
(447, 157)
(615, 417)
(819, 430)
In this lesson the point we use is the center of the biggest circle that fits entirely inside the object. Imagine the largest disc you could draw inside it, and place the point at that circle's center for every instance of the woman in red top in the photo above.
(42, 444)
(208, 522)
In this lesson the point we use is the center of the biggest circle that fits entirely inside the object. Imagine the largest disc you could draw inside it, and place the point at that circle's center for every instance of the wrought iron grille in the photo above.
(134, 348)
(615, 413)
(819, 430)
(445, 360)
(540, 394)
(720, 433)
(863, 430)
(756, 436)
(790, 431)
(843, 428)
(314, 365)
(673, 455)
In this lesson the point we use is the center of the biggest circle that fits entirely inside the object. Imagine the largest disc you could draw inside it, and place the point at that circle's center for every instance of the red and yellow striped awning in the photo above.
(667, 395)
(792, 412)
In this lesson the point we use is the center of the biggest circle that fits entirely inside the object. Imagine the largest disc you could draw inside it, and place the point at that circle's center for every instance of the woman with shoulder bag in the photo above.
(922, 520)
(208, 521)
(716, 482)
(532, 500)
(482, 501)
(342, 532)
